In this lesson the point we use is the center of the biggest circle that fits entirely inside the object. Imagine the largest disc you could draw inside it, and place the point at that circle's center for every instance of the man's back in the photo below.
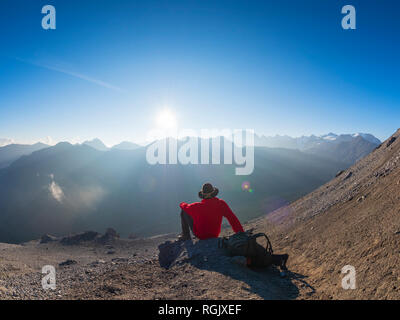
(207, 217)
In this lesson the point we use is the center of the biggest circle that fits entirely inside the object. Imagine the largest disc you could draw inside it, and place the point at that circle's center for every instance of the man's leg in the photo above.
(187, 225)
(262, 258)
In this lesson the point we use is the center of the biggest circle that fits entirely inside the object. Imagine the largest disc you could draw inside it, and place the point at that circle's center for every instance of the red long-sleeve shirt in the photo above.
(207, 217)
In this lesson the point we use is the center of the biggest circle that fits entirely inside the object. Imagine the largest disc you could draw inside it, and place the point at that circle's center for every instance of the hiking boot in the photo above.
(285, 258)
(184, 238)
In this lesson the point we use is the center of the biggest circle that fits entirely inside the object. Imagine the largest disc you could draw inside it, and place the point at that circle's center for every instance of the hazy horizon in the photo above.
(144, 143)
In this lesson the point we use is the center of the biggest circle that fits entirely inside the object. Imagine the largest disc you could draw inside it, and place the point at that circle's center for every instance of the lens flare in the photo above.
(246, 187)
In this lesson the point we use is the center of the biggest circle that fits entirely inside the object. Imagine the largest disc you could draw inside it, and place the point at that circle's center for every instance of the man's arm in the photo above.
(232, 219)
(189, 208)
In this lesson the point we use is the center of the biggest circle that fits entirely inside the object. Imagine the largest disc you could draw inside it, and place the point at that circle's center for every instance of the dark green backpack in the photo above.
(245, 244)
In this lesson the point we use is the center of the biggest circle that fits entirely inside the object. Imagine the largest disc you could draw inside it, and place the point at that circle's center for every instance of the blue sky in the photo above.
(279, 67)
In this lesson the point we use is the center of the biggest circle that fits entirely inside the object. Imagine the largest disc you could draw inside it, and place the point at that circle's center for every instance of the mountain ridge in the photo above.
(331, 146)
(351, 220)
(11, 152)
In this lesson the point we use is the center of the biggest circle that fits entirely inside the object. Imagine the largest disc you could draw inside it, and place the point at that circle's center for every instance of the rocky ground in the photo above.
(76, 265)
(352, 220)
(130, 269)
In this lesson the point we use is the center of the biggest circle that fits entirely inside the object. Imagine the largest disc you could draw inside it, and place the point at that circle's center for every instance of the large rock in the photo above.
(79, 238)
(392, 139)
(348, 175)
(195, 252)
(110, 236)
(67, 263)
(339, 173)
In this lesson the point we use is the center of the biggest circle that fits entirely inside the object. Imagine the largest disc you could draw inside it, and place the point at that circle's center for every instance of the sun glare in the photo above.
(166, 119)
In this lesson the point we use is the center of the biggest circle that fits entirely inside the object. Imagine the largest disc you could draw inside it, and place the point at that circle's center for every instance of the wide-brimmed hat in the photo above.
(208, 191)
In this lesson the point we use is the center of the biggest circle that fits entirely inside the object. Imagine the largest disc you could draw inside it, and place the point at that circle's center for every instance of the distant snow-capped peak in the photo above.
(5, 142)
(367, 136)
(330, 136)
(346, 137)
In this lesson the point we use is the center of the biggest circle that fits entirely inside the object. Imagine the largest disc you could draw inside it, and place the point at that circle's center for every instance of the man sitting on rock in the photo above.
(204, 218)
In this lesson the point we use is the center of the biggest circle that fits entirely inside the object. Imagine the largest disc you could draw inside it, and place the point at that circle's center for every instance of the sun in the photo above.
(166, 119)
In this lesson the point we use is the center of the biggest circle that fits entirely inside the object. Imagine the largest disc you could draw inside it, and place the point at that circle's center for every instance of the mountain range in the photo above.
(99, 145)
(11, 152)
(69, 188)
(345, 147)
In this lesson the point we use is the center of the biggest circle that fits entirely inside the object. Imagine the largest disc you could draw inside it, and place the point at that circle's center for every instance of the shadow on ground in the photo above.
(205, 255)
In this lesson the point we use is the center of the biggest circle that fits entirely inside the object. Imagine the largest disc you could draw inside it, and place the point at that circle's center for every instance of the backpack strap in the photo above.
(269, 245)
(221, 242)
